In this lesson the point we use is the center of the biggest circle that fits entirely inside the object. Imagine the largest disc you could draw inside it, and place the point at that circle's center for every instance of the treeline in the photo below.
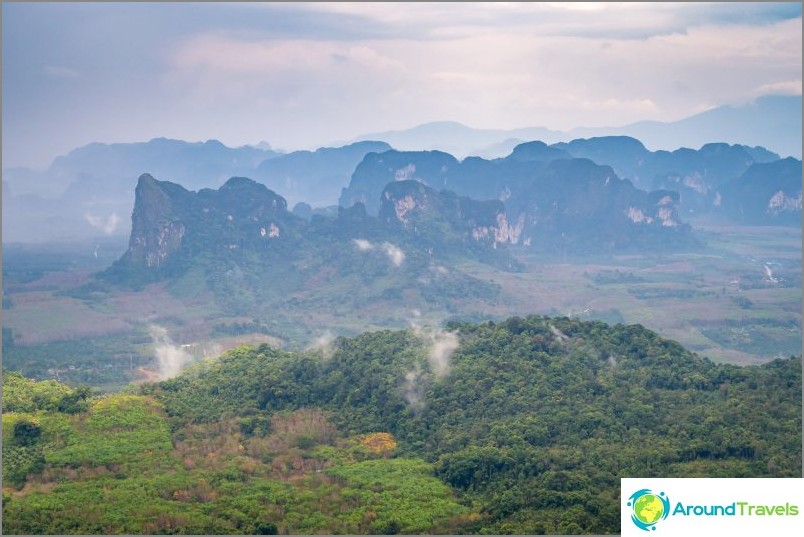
(524, 426)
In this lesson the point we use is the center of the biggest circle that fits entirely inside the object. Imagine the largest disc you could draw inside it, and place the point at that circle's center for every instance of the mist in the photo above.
(442, 346)
(170, 358)
(414, 393)
(323, 345)
(395, 254)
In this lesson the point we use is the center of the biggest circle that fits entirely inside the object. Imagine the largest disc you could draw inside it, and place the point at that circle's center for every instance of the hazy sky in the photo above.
(301, 75)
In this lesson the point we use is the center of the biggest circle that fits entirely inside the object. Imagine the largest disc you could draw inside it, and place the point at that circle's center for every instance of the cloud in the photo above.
(304, 75)
(414, 391)
(363, 245)
(620, 20)
(323, 344)
(440, 347)
(108, 225)
(170, 358)
(210, 63)
(790, 87)
(394, 253)
(443, 345)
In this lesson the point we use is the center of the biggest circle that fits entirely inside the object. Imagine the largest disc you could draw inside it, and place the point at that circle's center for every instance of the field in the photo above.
(737, 300)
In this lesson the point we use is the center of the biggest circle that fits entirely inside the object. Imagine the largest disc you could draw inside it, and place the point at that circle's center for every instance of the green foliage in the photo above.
(119, 429)
(529, 432)
(26, 432)
(536, 414)
(402, 494)
(24, 395)
(22, 447)
(19, 461)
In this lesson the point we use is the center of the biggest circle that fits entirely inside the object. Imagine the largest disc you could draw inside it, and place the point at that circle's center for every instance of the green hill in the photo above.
(524, 427)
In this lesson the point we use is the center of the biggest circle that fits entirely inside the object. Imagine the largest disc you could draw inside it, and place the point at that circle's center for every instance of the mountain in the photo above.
(547, 202)
(460, 140)
(241, 243)
(445, 222)
(766, 194)
(538, 151)
(315, 177)
(378, 169)
(107, 166)
(87, 192)
(577, 206)
(171, 225)
(243, 218)
(773, 122)
(694, 174)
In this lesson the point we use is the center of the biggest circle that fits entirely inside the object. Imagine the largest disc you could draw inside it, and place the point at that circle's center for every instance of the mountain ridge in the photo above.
(772, 121)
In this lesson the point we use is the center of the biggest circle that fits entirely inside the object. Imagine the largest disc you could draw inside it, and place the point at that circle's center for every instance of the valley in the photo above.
(718, 301)
(458, 347)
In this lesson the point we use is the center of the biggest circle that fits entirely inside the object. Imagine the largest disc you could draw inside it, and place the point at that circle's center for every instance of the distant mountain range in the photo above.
(773, 122)
(315, 177)
(533, 182)
(88, 193)
(549, 202)
(567, 205)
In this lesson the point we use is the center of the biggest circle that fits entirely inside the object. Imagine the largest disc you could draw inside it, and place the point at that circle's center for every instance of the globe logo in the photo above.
(648, 508)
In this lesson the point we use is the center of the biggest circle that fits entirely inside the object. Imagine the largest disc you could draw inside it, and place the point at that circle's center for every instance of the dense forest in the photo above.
(522, 427)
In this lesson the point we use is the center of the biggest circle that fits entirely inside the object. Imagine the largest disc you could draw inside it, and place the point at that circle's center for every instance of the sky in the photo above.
(304, 75)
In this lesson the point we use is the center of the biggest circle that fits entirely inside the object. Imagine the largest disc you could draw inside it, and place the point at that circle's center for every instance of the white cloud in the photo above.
(363, 245)
(169, 357)
(571, 79)
(394, 253)
(323, 344)
(108, 225)
(444, 344)
(790, 87)
(316, 73)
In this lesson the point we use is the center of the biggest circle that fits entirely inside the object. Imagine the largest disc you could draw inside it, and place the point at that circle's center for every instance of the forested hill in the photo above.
(524, 426)
(532, 421)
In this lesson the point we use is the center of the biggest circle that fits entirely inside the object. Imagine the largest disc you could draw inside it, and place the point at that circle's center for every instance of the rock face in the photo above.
(537, 198)
(241, 244)
(443, 219)
(694, 174)
(156, 227)
(433, 168)
(576, 206)
(766, 194)
(244, 231)
(171, 225)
